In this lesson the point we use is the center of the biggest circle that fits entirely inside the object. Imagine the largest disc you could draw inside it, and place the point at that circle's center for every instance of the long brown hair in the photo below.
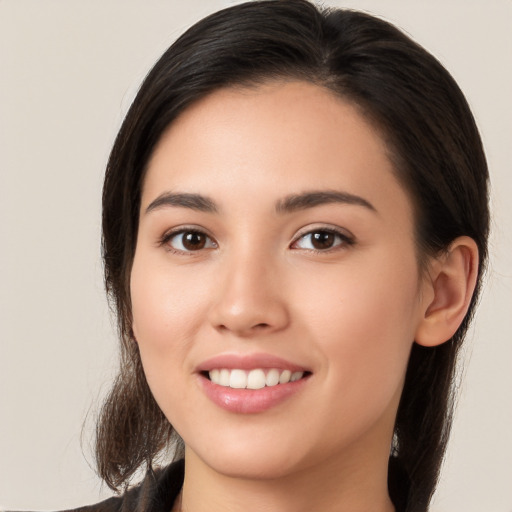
(438, 157)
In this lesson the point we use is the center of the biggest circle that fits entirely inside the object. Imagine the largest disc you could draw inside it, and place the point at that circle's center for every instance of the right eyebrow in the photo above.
(196, 202)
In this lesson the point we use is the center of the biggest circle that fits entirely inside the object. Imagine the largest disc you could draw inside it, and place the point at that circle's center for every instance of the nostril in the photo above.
(250, 329)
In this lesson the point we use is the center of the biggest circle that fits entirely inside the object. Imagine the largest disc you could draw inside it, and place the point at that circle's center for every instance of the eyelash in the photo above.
(167, 237)
(345, 240)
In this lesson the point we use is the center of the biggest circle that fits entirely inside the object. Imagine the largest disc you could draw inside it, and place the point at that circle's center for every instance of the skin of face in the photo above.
(348, 314)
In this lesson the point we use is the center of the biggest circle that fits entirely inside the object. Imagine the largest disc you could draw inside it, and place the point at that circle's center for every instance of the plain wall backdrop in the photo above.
(68, 72)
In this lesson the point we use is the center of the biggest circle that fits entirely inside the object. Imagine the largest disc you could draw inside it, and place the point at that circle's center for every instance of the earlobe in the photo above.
(452, 281)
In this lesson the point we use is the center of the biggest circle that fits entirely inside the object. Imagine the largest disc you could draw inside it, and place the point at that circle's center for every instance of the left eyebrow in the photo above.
(311, 199)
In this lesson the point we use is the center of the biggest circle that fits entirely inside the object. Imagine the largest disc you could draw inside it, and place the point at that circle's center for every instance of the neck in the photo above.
(330, 487)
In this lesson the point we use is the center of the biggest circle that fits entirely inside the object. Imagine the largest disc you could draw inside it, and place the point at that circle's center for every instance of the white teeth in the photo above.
(285, 377)
(272, 377)
(253, 379)
(296, 376)
(215, 375)
(238, 379)
(223, 378)
(256, 379)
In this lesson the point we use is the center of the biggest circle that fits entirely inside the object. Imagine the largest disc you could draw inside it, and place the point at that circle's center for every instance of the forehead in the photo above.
(273, 140)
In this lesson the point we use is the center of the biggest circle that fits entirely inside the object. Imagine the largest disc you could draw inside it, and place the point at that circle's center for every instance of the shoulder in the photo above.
(111, 505)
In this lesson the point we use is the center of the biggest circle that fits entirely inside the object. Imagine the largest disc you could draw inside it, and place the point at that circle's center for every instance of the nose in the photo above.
(250, 299)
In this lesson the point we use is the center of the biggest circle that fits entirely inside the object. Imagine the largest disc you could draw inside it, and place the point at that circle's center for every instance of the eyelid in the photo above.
(347, 238)
(173, 232)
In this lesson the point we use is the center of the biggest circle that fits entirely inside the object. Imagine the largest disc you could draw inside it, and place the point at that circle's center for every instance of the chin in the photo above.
(248, 460)
(252, 468)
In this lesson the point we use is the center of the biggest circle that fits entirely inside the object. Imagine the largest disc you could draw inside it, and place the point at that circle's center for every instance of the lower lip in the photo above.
(250, 401)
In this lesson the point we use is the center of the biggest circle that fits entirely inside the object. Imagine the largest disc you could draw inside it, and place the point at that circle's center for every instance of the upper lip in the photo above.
(248, 362)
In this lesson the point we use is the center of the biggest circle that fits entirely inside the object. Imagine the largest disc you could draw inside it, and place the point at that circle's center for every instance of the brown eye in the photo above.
(194, 241)
(188, 241)
(322, 240)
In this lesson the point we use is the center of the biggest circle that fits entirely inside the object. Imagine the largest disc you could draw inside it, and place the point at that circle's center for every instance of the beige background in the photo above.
(68, 71)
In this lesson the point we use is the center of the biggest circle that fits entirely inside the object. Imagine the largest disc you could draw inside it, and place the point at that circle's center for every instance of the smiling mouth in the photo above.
(257, 378)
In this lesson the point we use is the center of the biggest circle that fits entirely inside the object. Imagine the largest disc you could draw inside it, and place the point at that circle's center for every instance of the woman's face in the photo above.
(275, 240)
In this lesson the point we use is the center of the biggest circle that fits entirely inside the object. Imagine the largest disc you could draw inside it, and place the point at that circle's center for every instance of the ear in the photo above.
(451, 283)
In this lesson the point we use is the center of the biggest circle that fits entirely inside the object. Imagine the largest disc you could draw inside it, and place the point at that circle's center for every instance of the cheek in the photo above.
(364, 323)
(164, 304)
(378, 296)
(165, 308)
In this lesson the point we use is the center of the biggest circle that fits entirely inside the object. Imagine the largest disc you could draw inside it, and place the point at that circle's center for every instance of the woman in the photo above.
(295, 223)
